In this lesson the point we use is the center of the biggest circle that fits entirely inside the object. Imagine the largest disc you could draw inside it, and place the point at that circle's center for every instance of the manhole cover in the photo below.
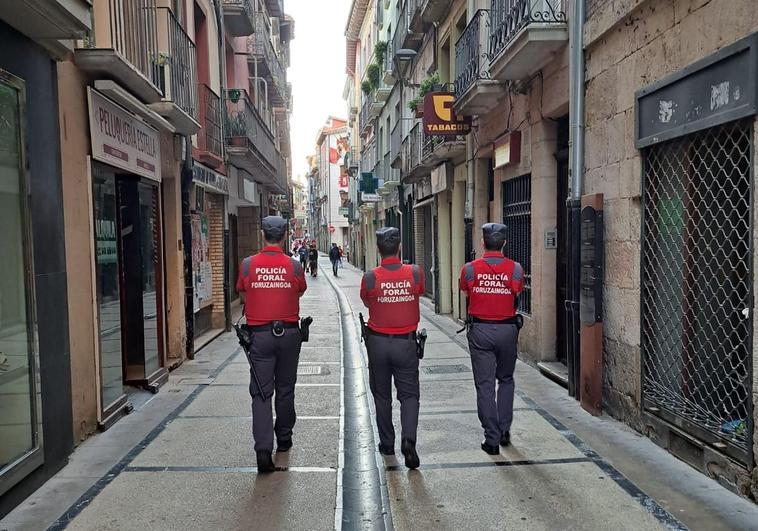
(446, 369)
(312, 370)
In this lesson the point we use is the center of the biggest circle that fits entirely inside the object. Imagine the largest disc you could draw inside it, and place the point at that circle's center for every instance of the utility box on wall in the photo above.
(591, 304)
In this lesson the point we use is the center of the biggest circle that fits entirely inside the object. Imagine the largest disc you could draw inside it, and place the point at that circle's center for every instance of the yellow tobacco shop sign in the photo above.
(440, 118)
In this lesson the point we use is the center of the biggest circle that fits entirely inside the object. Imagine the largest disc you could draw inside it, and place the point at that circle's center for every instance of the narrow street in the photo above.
(189, 448)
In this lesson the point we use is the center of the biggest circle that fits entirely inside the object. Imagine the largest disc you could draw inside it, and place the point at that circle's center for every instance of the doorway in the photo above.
(141, 282)
(561, 263)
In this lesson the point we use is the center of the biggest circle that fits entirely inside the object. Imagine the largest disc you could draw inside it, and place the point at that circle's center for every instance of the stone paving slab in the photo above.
(178, 501)
(240, 374)
(530, 497)
(234, 401)
(455, 438)
(227, 442)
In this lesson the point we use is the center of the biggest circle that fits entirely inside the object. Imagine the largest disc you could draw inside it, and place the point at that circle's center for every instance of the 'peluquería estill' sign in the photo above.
(120, 139)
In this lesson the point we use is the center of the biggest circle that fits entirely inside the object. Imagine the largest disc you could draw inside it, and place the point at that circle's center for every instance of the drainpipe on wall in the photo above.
(576, 172)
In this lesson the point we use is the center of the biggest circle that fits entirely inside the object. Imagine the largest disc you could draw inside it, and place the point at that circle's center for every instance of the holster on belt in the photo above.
(364, 328)
(420, 343)
(305, 325)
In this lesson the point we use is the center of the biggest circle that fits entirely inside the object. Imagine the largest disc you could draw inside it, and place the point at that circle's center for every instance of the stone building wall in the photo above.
(630, 44)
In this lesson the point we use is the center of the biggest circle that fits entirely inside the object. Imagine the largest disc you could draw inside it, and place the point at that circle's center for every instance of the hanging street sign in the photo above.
(440, 118)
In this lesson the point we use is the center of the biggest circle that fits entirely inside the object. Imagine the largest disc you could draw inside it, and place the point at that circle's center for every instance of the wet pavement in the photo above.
(184, 459)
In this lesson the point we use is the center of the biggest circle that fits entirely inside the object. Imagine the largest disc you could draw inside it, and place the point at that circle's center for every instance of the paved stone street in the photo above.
(184, 460)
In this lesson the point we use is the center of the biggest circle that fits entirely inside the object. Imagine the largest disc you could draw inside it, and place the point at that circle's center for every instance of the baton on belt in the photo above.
(364, 331)
(243, 336)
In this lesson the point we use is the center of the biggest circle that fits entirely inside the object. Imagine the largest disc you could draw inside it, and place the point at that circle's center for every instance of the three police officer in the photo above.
(272, 284)
(391, 293)
(492, 284)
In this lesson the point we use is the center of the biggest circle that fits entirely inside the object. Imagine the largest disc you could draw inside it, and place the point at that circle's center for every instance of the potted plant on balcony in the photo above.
(380, 50)
(413, 105)
(366, 87)
(234, 95)
(237, 130)
(430, 84)
(373, 74)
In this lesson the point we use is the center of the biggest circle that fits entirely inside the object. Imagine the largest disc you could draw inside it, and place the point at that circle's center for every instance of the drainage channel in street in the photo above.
(363, 499)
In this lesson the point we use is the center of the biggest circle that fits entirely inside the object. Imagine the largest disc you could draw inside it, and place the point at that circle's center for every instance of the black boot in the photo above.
(505, 440)
(490, 449)
(386, 449)
(408, 447)
(265, 463)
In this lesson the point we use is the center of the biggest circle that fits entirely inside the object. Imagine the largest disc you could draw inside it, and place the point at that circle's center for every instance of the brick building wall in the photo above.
(215, 211)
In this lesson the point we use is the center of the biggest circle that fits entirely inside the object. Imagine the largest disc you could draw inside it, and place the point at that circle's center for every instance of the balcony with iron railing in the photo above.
(437, 149)
(239, 17)
(525, 35)
(388, 65)
(391, 175)
(125, 47)
(413, 166)
(178, 63)
(409, 32)
(434, 10)
(250, 144)
(370, 109)
(475, 90)
(209, 142)
(396, 140)
(275, 8)
(264, 62)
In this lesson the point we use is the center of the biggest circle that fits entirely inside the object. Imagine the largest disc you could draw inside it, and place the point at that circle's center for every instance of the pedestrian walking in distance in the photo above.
(492, 284)
(334, 256)
(313, 259)
(272, 284)
(391, 293)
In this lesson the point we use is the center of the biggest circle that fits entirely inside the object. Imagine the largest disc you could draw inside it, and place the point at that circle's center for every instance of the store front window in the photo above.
(19, 430)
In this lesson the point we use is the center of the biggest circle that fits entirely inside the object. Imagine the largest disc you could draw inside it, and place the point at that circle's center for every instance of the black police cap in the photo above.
(274, 227)
(494, 232)
(387, 236)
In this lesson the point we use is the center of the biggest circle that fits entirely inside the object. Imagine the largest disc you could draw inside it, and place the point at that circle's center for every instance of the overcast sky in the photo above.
(317, 72)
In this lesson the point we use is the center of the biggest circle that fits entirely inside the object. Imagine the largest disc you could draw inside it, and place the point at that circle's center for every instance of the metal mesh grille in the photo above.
(517, 216)
(697, 275)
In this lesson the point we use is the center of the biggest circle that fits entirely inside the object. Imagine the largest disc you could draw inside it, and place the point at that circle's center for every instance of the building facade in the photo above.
(674, 178)
(332, 147)
(136, 204)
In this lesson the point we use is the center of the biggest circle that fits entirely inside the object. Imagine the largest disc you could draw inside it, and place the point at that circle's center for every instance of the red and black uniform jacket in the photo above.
(391, 293)
(272, 283)
(492, 284)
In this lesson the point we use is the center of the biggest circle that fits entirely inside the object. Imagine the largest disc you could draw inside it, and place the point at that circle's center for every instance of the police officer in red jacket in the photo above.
(391, 293)
(492, 284)
(272, 284)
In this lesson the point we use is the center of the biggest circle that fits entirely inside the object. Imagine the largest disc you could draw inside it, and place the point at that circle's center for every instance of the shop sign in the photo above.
(204, 176)
(440, 118)
(121, 139)
(370, 198)
(715, 90)
(507, 149)
(439, 178)
(368, 183)
(202, 271)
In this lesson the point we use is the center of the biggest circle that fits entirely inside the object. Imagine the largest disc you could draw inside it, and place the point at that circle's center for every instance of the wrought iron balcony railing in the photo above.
(179, 74)
(414, 149)
(245, 127)
(472, 58)
(509, 17)
(366, 118)
(405, 36)
(240, 17)
(209, 137)
(129, 27)
(261, 51)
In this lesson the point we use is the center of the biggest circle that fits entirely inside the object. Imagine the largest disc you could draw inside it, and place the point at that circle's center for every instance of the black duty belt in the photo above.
(511, 320)
(407, 335)
(267, 326)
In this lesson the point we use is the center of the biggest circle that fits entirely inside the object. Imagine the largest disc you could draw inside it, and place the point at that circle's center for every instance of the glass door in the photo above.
(150, 253)
(20, 430)
(108, 289)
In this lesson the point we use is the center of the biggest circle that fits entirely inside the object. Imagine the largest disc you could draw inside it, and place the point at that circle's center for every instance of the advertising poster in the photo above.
(202, 272)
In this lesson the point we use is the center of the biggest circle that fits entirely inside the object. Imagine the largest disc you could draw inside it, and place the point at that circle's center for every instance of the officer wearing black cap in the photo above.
(391, 293)
(272, 284)
(492, 284)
